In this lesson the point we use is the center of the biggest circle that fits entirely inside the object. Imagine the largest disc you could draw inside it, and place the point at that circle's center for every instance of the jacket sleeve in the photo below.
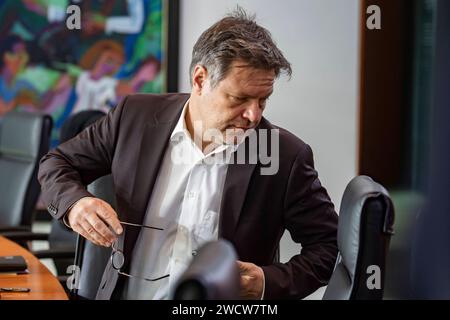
(310, 218)
(65, 171)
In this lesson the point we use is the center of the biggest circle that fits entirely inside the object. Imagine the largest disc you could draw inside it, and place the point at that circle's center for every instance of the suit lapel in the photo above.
(150, 157)
(237, 182)
(234, 193)
(152, 148)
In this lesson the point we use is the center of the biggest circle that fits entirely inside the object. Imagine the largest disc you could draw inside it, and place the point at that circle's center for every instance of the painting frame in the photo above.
(85, 59)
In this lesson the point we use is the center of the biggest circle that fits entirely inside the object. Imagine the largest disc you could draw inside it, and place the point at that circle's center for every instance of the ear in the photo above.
(199, 77)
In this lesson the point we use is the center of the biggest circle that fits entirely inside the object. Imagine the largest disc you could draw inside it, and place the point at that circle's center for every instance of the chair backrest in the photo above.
(92, 259)
(366, 221)
(24, 139)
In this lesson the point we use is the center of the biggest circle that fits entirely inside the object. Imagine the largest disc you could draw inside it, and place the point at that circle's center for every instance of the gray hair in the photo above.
(237, 37)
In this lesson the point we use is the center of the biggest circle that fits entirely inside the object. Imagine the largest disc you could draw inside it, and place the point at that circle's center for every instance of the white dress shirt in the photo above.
(186, 203)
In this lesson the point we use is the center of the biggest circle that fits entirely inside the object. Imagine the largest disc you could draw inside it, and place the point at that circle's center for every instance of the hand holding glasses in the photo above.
(118, 257)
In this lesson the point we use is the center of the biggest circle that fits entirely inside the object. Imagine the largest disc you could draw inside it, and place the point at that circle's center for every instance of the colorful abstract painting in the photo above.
(45, 66)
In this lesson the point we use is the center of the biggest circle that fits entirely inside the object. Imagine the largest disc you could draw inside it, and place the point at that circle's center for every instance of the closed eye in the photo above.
(239, 99)
(263, 102)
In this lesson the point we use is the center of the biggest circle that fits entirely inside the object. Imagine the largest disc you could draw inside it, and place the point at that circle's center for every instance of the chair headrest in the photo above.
(78, 122)
(21, 133)
(358, 191)
(212, 275)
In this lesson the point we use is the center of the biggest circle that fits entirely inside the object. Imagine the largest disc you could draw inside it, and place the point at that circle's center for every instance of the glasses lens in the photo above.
(117, 259)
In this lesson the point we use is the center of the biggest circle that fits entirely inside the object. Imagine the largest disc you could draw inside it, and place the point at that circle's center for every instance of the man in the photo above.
(202, 194)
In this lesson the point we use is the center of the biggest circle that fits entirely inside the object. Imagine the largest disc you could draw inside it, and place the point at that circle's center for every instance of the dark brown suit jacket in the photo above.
(256, 209)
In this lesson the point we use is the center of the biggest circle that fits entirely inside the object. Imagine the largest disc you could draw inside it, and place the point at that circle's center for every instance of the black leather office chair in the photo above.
(212, 275)
(62, 241)
(366, 223)
(24, 139)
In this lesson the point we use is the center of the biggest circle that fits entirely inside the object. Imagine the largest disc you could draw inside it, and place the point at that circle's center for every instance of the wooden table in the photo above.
(43, 284)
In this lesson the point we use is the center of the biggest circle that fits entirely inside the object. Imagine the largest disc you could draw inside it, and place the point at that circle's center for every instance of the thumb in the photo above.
(242, 266)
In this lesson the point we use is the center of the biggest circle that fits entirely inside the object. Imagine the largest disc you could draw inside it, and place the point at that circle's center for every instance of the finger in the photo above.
(78, 229)
(110, 217)
(93, 234)
(88, 237)
(245, 281)
(243, 266)
(244, 290)
(100, 227)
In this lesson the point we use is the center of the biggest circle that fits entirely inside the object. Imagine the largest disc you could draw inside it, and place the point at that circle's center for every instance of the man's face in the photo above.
(237, 102)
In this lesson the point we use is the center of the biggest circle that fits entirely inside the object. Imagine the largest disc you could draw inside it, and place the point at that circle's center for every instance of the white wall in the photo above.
(319, 104)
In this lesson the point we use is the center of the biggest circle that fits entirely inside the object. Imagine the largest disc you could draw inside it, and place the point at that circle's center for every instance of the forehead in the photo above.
(244, 78)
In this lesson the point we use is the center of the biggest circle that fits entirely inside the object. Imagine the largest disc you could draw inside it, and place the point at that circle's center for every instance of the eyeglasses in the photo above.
(118, 257)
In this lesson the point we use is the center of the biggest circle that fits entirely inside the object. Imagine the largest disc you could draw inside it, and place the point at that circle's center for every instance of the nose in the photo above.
(253, 112)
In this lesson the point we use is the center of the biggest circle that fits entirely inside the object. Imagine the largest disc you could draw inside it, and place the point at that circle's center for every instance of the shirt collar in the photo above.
(180, 127)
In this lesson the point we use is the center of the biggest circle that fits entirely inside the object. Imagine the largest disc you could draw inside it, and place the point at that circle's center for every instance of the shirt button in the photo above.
(194, 253)
(191, 194)
(184, 230)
